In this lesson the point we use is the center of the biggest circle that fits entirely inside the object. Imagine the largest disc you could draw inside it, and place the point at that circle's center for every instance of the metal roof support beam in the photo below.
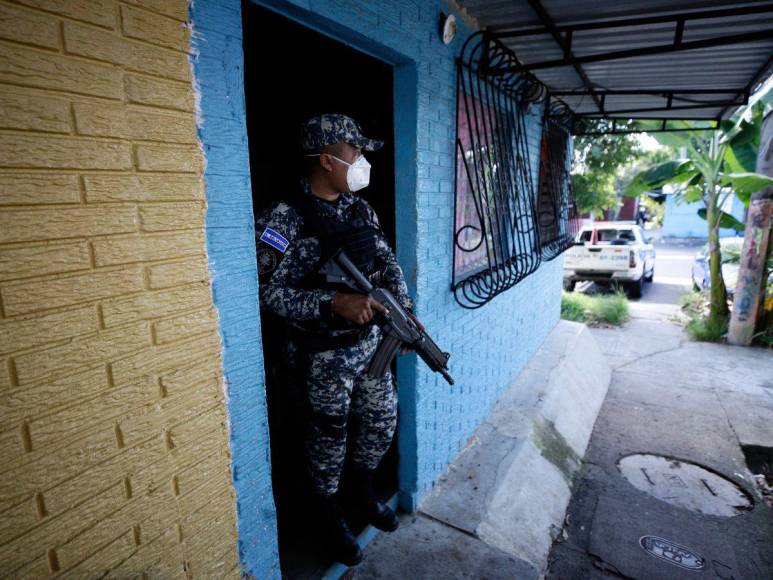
(656, 118)
(664, 109)
(655, 92)
(651, 50)
(632, 131)
(679, 32)
(566, 44)
(622, 23)
(672, 95)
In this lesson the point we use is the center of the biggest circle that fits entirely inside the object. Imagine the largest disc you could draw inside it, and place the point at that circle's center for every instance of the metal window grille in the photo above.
(496, 238)
(557, 214)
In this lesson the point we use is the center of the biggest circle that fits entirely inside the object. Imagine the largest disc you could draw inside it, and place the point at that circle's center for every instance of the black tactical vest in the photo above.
(357, 236)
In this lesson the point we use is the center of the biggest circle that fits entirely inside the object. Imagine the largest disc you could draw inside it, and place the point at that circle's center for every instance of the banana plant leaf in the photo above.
(692, 194)
(677, 171)
(725, 220)
(745, 184)
(741, 158)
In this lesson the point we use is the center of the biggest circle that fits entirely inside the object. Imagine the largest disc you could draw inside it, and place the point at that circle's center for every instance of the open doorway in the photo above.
(292, 73)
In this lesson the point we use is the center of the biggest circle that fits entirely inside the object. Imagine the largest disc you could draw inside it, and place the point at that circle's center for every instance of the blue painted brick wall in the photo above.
(217, 65)
(489, 345)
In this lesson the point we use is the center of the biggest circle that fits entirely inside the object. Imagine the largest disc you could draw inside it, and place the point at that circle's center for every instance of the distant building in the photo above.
(681, 220)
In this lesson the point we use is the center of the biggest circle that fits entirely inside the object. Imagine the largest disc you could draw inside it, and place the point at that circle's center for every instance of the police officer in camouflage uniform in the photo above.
(331, 332)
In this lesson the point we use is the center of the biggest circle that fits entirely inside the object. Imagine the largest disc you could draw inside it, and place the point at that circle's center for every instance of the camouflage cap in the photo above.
(333, 128)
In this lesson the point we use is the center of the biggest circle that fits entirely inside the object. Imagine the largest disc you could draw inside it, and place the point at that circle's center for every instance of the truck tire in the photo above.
(569, 285)
(635, 289)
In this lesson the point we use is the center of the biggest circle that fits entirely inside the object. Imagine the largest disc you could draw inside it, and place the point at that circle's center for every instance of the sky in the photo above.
(647, 142)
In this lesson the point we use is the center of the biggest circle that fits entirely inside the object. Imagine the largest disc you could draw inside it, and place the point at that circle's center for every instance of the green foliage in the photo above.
(656, 210)
(693, 304)
(743, 135)
(717, 164)
(764, 327)
(595, 309)
(675, 171)
(746, 183)
(764, 338)
(594, 192)
(741, 158)
(725, 220)
(729, 162)
(699, 326)
(598, 161)
(707, 329)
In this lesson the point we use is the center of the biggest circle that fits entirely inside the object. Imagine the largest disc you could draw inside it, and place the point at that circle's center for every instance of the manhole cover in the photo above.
(672, 553)
(684, 484)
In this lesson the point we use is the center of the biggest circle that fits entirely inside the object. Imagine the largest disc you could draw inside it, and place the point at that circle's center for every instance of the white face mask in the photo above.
(358, 174)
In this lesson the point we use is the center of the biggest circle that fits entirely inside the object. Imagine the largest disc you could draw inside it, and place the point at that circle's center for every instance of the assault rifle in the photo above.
(397, 325)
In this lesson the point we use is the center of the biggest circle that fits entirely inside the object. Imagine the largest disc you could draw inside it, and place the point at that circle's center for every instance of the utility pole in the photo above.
(752, 275)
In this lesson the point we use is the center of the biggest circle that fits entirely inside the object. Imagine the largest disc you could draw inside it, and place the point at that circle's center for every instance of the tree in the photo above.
(718, 164)
(597, 161)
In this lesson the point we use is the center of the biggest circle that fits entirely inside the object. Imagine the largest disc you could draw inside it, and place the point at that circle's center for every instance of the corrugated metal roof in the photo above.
(708, 81)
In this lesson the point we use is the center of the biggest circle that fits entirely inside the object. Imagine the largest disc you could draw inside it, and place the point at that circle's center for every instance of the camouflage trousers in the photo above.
(339, 390)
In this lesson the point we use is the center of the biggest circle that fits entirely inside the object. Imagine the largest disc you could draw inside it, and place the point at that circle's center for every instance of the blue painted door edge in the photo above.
(218, 83)
(405, 131)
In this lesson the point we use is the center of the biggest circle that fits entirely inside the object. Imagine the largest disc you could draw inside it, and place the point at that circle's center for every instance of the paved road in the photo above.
(660, 300)
(690, 404)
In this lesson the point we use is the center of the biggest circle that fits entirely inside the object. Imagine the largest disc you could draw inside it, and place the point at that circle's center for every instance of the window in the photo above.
(557, 216)
(496, 238)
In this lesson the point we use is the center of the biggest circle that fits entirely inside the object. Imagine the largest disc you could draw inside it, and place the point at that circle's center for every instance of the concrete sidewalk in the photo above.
(686, 403)
(691, 406)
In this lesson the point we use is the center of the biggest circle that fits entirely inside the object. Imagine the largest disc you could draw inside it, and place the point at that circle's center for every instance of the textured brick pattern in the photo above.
(113, 431)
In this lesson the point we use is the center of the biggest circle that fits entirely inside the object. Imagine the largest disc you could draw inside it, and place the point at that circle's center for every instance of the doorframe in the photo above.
(217, 59)
(405, 126)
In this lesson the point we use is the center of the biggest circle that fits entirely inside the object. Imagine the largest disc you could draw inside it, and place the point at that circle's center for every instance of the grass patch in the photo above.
(695, 307)
(693, 304)
(704, 330)
(595, 309)
(764, 338)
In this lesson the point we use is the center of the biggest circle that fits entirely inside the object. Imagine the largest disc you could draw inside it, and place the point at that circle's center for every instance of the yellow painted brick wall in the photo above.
(112, 417)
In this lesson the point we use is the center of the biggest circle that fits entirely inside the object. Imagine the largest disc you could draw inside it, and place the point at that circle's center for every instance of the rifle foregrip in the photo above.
(436, 359)
(383, 356)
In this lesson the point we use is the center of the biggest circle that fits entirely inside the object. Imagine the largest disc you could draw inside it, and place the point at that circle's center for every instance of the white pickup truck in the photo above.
(611, 253)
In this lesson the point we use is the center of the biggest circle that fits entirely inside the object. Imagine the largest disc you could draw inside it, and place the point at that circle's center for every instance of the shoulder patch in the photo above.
(267, 261)
(274, 239)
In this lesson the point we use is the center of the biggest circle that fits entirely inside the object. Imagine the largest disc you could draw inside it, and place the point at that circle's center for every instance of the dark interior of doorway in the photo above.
(292, 73)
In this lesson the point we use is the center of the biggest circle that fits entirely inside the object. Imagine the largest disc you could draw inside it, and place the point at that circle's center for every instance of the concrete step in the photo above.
(508, 490)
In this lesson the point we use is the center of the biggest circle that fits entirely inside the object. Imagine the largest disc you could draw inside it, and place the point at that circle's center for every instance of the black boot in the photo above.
(365, 500)
(335, 532)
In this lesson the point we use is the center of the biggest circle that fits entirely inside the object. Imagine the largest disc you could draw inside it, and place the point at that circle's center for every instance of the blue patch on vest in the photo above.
(274, 239)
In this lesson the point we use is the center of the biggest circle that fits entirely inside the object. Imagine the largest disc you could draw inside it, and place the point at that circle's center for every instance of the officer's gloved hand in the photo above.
(357, 308)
